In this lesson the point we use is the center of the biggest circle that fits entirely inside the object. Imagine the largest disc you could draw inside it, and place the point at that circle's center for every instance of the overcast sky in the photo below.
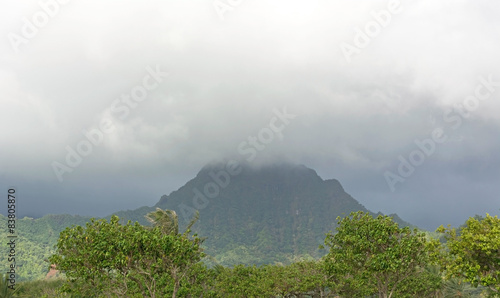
(399, 101)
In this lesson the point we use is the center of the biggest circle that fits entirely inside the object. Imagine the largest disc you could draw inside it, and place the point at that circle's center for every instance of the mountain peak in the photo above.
(274, 211)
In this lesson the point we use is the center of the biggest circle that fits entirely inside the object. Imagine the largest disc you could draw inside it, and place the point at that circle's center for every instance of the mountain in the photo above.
(273, 213)
(249, 215)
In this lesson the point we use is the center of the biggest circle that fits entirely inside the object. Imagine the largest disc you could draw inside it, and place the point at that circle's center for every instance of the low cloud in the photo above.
(353, 119)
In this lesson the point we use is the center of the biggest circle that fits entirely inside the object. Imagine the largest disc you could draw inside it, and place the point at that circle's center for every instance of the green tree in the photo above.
(457, 288)
(373, 255)
(125, 260)
(297, 279)
(474, 252)
(242, 281)
(428, 283)
(168, 221)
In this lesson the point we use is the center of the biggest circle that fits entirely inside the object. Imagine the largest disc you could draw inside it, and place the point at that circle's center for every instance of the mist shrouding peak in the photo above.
(348, 88)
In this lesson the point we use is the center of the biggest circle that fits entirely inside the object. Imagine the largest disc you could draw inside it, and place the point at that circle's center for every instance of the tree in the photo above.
(124, 260)
(298, 279)
(243, 281)
(474, 252)
(428, 283)
(369, 255)
(456, 287)
(168, 221)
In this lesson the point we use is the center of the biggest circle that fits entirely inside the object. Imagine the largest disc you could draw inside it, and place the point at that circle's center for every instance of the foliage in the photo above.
(456, 287)
(373, 255)
(295, 280)
(474, 252)
(267, 215)
(168, 221)
(263, 215)
(124, 260)
(5, 290)
(35, 242)
(41, 288)
(243, 281)
(427, 283)
(368, 256)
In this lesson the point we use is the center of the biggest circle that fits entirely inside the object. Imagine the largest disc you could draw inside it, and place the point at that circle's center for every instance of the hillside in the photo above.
(276, 213)
(262, 215)
(35, 242)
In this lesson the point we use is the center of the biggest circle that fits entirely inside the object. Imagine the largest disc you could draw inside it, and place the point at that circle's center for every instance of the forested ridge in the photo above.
(274, 231)
(367, 257)
(261, 215)
(35, 242)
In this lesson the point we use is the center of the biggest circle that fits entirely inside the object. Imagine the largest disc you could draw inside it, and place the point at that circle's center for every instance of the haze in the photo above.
(423, 78)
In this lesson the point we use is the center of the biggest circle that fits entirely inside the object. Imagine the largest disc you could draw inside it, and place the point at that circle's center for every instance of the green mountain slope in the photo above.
(272, 214)
(276, 213)
(35, 242)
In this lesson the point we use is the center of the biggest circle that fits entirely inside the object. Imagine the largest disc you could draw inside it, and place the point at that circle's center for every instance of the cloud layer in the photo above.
(356, 112)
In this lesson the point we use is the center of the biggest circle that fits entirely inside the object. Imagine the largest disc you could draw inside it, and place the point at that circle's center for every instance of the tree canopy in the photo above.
(125, 260)
(373, 255)
(368, 256)
(474, 252)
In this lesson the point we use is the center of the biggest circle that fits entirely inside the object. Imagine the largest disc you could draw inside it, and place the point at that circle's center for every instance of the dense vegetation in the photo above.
(474, 252)
(275, 213)
(367, 257)
(374, 254)
(260, 237)
(35, 242)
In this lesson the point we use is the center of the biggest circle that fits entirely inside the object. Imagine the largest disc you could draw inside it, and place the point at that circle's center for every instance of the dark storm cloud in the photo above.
(354, 117)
